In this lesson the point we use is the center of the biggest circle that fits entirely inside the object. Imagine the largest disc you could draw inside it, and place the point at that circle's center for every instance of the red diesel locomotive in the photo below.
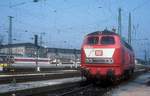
(104, 55)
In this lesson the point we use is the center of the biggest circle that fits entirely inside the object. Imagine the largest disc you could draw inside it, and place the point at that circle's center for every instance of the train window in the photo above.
(92, 40)
(107, 40)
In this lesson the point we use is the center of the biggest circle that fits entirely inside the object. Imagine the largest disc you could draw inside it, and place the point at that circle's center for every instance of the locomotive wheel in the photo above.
(89, 79)
(128, 74)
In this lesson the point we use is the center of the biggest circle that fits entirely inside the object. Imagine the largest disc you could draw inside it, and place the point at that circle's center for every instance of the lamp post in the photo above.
(36, 52)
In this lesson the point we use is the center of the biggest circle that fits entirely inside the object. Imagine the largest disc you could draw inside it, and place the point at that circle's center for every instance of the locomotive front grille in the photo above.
(99, 60)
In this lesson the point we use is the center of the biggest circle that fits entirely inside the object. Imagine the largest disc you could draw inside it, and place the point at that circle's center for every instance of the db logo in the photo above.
(98, 52)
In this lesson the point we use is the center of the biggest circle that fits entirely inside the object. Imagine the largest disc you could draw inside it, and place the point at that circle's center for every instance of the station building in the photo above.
(21, 50)
(29, 50)
(63, 54)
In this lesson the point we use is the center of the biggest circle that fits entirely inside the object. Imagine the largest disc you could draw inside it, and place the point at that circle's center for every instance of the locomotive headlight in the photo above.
(110, 60)
(99, 60)
(89, 60)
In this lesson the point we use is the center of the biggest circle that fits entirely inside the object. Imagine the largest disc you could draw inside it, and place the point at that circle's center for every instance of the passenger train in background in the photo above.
(105, 56)
(29, 63)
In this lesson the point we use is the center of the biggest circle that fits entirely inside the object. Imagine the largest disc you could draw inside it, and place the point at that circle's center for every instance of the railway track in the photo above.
(67, 90)
(87, 89)
(90, 89)
(17, 78)
(78, 89)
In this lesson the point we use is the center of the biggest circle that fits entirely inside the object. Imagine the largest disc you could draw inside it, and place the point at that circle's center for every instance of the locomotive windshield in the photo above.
(92, 40)
(107, 40)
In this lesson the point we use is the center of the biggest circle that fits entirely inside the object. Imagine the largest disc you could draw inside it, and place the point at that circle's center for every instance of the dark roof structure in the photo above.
(59, 50)
(62, 50)
(19, 45)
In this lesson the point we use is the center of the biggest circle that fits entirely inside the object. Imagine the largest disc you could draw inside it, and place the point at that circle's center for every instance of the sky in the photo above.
(64, 23)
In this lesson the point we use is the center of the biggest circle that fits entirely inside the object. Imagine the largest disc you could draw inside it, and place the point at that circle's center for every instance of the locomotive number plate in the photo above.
(98, 52)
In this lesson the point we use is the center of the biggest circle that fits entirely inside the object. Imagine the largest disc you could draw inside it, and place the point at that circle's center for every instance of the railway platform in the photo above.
(138, 87)
(28, 88)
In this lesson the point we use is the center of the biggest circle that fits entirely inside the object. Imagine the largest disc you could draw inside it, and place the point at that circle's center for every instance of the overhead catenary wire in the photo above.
(140, 5)
(93, 25)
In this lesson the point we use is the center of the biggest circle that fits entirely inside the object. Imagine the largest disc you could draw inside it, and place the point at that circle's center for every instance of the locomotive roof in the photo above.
(105, 32)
